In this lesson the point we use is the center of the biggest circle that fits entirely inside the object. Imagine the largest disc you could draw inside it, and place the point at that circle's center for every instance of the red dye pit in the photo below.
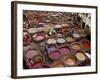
(85, 44)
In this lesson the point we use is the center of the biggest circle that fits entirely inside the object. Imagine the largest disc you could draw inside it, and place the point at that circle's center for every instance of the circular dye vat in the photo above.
(69, 39)
(80, 56)
(31, 54)
(51, 41)
(76, 46)
(39, 38)
(54, 55)
(65, 25)
(58, 26)
(32, 30)
(26, 48)
(36, 64)
(58, 65)
(38, 58)
(85, 44)
(48, 21)
(71, 61)
(75, 35)
(61, 40)
(42, 44)
(59, 35)
(64, 51)
(51, 48)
